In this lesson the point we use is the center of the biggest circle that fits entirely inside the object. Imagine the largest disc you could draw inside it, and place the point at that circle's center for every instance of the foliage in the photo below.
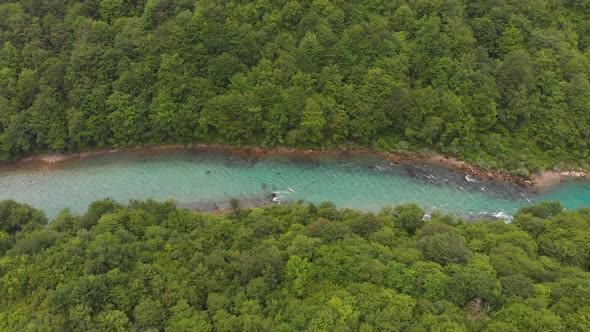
(502, 84)
(150, 266)
(16, 217)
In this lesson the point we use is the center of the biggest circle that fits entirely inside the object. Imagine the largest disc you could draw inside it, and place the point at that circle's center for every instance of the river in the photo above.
(204, 179)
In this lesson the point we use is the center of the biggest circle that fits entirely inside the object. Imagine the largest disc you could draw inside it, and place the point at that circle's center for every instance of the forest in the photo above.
(150, 266)
(501, 83)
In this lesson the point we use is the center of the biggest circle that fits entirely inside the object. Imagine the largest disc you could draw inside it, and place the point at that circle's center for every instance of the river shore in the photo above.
(538, 181)
(549, 178)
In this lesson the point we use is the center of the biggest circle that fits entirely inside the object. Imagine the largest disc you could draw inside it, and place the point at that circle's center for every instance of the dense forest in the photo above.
(503, 83)
(151, 266)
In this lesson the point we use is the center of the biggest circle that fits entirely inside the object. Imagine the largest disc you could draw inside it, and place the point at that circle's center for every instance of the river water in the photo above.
(202, 179)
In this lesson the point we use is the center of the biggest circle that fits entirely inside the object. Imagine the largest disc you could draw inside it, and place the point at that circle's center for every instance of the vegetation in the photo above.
(150, 266)
(502, 83)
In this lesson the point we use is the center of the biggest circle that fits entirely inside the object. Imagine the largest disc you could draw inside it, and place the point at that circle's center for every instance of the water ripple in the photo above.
(367, 184)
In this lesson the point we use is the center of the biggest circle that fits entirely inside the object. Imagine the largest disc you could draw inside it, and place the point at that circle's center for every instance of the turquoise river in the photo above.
(206, 180)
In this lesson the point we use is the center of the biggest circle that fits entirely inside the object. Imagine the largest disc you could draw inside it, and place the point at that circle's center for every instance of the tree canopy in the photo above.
(150, 266)
(501, 83)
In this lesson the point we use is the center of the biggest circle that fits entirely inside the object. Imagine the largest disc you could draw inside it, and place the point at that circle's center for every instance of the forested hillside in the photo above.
(152, 267)
(504, 83)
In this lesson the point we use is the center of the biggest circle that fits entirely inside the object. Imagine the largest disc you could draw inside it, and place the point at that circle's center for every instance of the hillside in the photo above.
(152, 267)
(500, 83)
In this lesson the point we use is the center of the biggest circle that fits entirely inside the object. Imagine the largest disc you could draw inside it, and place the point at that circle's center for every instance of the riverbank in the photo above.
(549, 178)
(539, 180)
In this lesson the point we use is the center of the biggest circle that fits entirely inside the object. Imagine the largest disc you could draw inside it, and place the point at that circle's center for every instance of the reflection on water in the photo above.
(202, 179)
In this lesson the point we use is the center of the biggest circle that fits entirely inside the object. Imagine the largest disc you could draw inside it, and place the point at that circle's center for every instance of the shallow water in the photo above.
(194, 178)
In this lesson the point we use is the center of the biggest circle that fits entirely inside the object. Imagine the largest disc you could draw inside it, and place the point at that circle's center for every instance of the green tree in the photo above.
(408, 217)
(444, 248)
(525, 318)
(313, 122)
(16, 217)
(467, 284)
(300, 273)
(186, 318)
(110, 10)
(113, 321)
(149, 314)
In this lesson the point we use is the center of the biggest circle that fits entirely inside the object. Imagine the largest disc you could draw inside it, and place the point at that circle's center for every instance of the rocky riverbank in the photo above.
(549, 178)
